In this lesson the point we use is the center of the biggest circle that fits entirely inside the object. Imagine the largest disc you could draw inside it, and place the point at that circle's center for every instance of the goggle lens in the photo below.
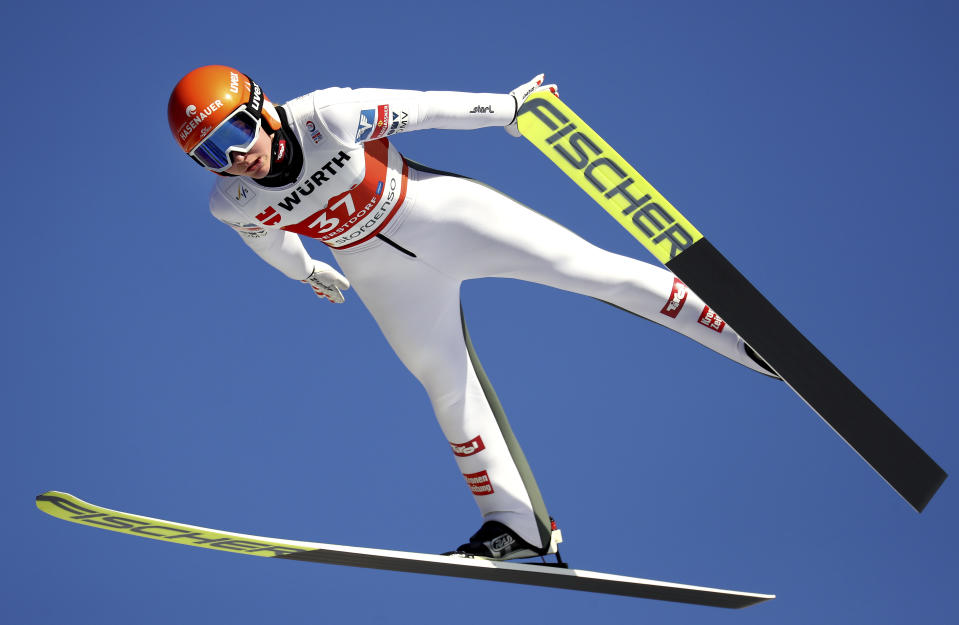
(237, 133)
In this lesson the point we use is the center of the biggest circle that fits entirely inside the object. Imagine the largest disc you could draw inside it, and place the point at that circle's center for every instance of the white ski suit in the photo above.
(406, 237)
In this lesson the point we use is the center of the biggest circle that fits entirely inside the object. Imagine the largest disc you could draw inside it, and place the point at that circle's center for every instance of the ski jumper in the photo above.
(406, 237)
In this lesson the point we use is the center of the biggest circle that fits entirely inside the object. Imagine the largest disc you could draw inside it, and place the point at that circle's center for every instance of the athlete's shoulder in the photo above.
(325, 113)
(229, 195)
(319, 99)
(226, 199)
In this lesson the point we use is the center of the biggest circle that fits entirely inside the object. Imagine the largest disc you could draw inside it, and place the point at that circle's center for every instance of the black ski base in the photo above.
(867, 429)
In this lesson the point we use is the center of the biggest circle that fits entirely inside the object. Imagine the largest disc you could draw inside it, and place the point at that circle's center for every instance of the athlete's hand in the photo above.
(522, 92)
(327, 282)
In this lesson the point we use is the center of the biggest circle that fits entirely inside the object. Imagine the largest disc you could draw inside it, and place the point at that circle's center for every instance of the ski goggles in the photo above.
(236, 133)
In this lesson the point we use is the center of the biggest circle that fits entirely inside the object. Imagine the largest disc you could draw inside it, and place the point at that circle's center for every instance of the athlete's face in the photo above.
(256, 162)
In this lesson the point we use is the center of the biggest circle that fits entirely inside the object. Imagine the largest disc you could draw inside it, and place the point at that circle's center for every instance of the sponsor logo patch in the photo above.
(677, 299)
(365, 126)
(376, 123)
(256, 99)
(711, 320)
(93, 516)
(582, 156)
(196, 118)
(315, 134)
(400, 120)
(241, 193)
(248, 230)
(468, 448)
(479, 483)
(382, 124)
(501, 543)
(269, 217)
(251, 231)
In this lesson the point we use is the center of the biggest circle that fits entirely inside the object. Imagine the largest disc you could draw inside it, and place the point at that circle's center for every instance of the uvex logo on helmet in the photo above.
(256, 100)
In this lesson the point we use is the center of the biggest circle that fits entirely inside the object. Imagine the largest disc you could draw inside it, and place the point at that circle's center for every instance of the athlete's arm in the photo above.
(359, 115)
(284, 251)
(281, 249)
(521, 93)
(327, 283)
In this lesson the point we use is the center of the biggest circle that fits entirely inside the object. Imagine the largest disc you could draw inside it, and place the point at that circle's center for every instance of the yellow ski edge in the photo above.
(549, 124)
(69, 508)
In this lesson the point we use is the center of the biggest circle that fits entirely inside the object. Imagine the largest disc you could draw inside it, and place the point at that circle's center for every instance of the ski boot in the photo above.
(495, 541)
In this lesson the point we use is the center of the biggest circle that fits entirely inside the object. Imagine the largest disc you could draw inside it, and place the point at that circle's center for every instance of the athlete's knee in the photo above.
(438, 375)
(614, 277)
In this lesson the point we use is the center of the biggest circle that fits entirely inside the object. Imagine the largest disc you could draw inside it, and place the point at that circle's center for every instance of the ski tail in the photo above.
(843, 406)
(632, 201)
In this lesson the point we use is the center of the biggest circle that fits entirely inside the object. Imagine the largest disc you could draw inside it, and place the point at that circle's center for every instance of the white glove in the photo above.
(327, 282)
(522, 92)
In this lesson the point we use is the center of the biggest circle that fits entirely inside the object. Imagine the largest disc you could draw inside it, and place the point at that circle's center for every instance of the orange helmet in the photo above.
(215, 110)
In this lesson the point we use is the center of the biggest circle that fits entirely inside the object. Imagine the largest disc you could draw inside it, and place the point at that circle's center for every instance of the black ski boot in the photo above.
(495, 541)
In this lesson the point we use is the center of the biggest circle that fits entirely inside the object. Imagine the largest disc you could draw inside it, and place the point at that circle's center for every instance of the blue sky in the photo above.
(153, 364)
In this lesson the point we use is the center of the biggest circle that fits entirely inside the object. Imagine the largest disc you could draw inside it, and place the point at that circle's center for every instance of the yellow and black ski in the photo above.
(603, 174)
(69, 508)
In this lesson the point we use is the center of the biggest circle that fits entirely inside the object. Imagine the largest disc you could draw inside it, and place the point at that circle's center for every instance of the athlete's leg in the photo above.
(417, 308)
(485, 233)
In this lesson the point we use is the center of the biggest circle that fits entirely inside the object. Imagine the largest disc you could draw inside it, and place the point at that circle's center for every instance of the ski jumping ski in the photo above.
(613, 183)
(69, 508)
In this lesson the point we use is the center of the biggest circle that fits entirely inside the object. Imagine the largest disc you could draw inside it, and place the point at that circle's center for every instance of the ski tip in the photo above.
(43, 500)
(39, 499)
